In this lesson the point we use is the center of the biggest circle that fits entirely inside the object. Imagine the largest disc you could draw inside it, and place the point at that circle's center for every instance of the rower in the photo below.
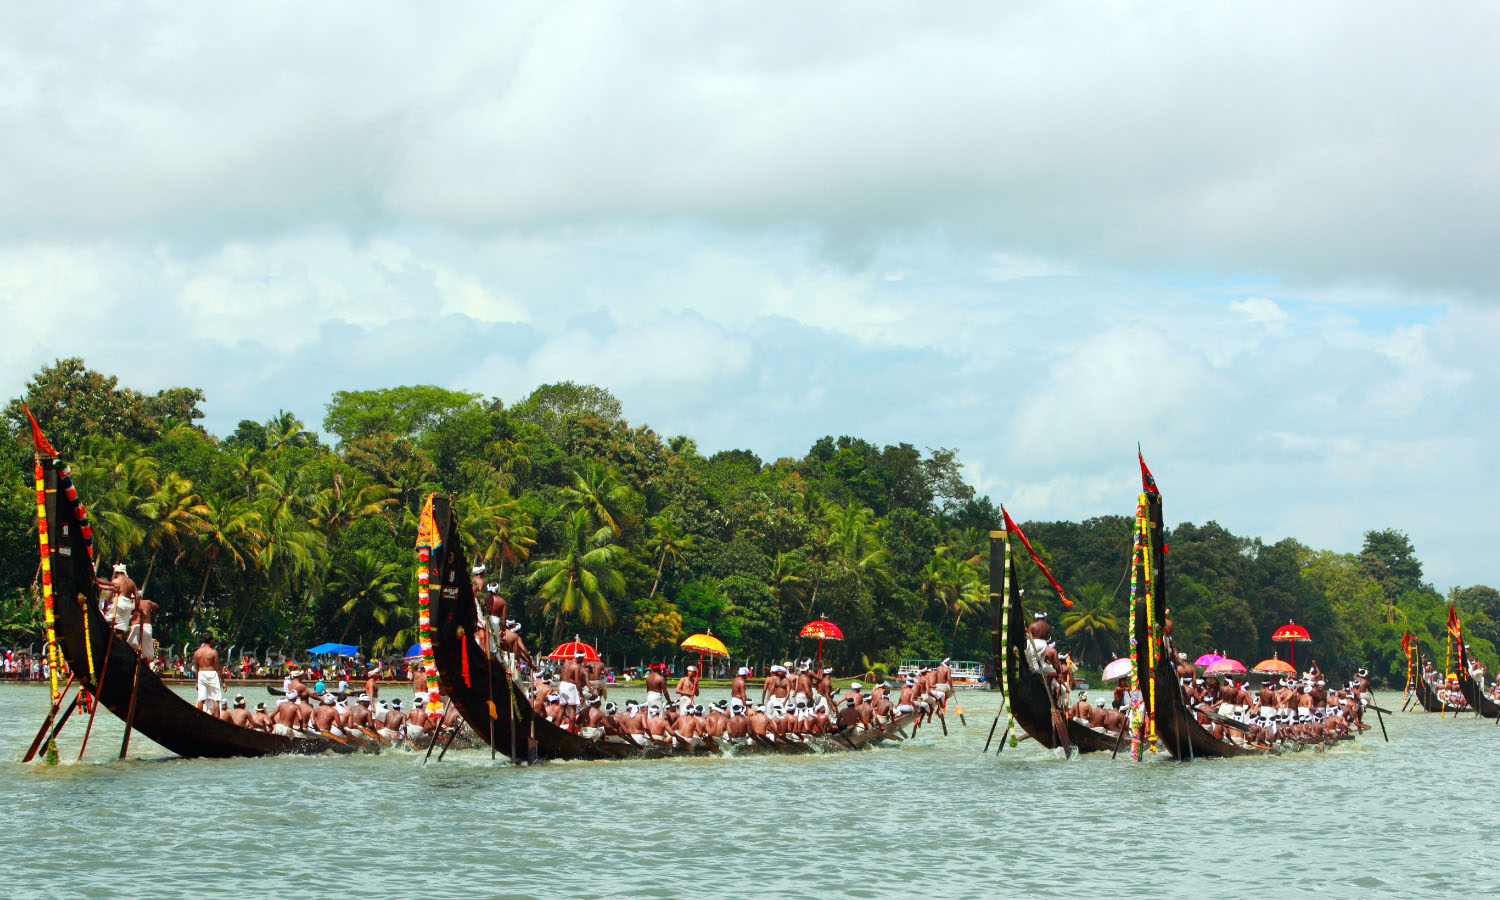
(591, 724)
(942, 681)
(571, 675)
(1185, 670)
(824, 688)
(738, 686)
(325, 717)
(1096, 717)
(633, 724)
(802, 685)
(476, 581)
(284, 719)
(906, 702)
(593, 672)
(657, 729)
(656, 685)
(359, 714)
(140, 636)
(260, 720)
(122, 596)
(849, 715)
(372, 683)
(395, 721)
(687, 689)
(774, 690)
(738, 727)
(1080, 709)
(238, 714)
(497, 616)
(418, 722)
(206, 661)
(513, 649)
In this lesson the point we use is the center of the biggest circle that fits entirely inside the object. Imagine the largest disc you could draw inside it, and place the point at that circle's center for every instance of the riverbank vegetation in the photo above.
(271, 537)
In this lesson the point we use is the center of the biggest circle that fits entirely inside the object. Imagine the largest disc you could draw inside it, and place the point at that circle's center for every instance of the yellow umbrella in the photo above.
(705, 645)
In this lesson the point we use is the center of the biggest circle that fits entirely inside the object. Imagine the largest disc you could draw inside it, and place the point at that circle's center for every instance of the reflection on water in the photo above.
(931, 817)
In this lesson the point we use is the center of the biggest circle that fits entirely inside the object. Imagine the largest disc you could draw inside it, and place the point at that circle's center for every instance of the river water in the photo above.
(1414, 817)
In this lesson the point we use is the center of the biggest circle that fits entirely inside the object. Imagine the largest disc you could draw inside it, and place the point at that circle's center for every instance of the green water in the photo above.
(929, 818)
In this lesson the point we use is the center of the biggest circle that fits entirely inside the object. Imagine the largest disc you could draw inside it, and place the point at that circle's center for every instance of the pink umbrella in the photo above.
(1117, 669)
(1207, 659)
(1225, 666)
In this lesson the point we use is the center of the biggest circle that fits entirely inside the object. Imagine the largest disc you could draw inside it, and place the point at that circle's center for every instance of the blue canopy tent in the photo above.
(414, 651)
(330, 649)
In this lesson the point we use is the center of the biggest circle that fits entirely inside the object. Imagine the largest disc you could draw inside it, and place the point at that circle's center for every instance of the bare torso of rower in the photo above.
(737, 689)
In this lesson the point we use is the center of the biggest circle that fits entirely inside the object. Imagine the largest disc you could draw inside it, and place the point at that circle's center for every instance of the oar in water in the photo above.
(451, 735)
(47, 722)
(993, 725)
(433, 742)
(135, 680)
(1119, 736)
(1003, 735)
(56, 727)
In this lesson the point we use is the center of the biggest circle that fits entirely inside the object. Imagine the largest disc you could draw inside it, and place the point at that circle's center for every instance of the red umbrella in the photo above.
(822, 629)
(570, 649)
(1291, 634)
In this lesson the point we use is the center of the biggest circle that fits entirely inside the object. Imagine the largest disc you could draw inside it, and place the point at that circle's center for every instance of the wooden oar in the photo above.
(36, 743)
(1003, 735)
(135, 679)
(451, 735)
(1382, 723)
(98, 695)
(56, 727)
(993, 725)
(1120, 737)
(433, 742)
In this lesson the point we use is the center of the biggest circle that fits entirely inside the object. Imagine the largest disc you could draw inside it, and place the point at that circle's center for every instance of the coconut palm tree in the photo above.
(597, 490)
(174, 514)
(497, 531)
(231, 533)
(1092, 623)
(584, 576)
(667, 541)
(367, 587)
(118, 480)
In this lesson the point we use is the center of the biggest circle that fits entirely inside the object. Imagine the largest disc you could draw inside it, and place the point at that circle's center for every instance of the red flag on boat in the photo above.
(1010, 525)
(1454, 628)
(1148, 484)
(39, 440)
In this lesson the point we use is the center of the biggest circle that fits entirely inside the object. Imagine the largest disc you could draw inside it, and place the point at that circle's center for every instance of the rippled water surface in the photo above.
(928, 818)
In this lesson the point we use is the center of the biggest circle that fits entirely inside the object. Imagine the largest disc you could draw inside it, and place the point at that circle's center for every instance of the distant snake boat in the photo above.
(1472, 692)
(495, 706)
(1426, 694)
(110, 668)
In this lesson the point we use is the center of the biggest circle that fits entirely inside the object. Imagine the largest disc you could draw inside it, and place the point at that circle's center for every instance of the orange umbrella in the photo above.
(822, 629)
(705, 645)
(1274, 666)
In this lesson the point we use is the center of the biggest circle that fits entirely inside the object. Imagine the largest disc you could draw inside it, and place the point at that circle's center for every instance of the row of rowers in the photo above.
(689, 725)
(1299, 710)
(299, 714)
(557, 698)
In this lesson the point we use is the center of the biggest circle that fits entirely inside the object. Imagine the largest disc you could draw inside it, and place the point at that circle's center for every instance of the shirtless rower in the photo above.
(591, 723)
(238, 714)
(632, 723)
(325, 717)
(802, 685)
(657, 728)
(140, 636)
(497, 611)
(372, 682)
(776, 688)
(510, 642)
(656, 686)
(394, 728)
(571, 675)
(849, 714)
(206, 661)
(122, 596)
(418, 723)
(687, 690)
(260, 720)
(942, 682)
(476, 581)
(758, 722)
(359, 714)
(738, 686)
(907, 701)
(1080, 709)
(284, 720)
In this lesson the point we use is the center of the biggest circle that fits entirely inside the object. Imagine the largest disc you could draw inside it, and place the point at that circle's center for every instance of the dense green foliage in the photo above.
(270, 538)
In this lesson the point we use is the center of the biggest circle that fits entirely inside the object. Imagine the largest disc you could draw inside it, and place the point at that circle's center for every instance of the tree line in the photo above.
(268, 536)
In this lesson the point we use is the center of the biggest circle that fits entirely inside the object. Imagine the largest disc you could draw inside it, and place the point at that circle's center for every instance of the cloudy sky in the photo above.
(1261, 241)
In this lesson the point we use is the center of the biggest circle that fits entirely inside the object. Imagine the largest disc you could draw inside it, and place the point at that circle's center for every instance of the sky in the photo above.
(1259, 240)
